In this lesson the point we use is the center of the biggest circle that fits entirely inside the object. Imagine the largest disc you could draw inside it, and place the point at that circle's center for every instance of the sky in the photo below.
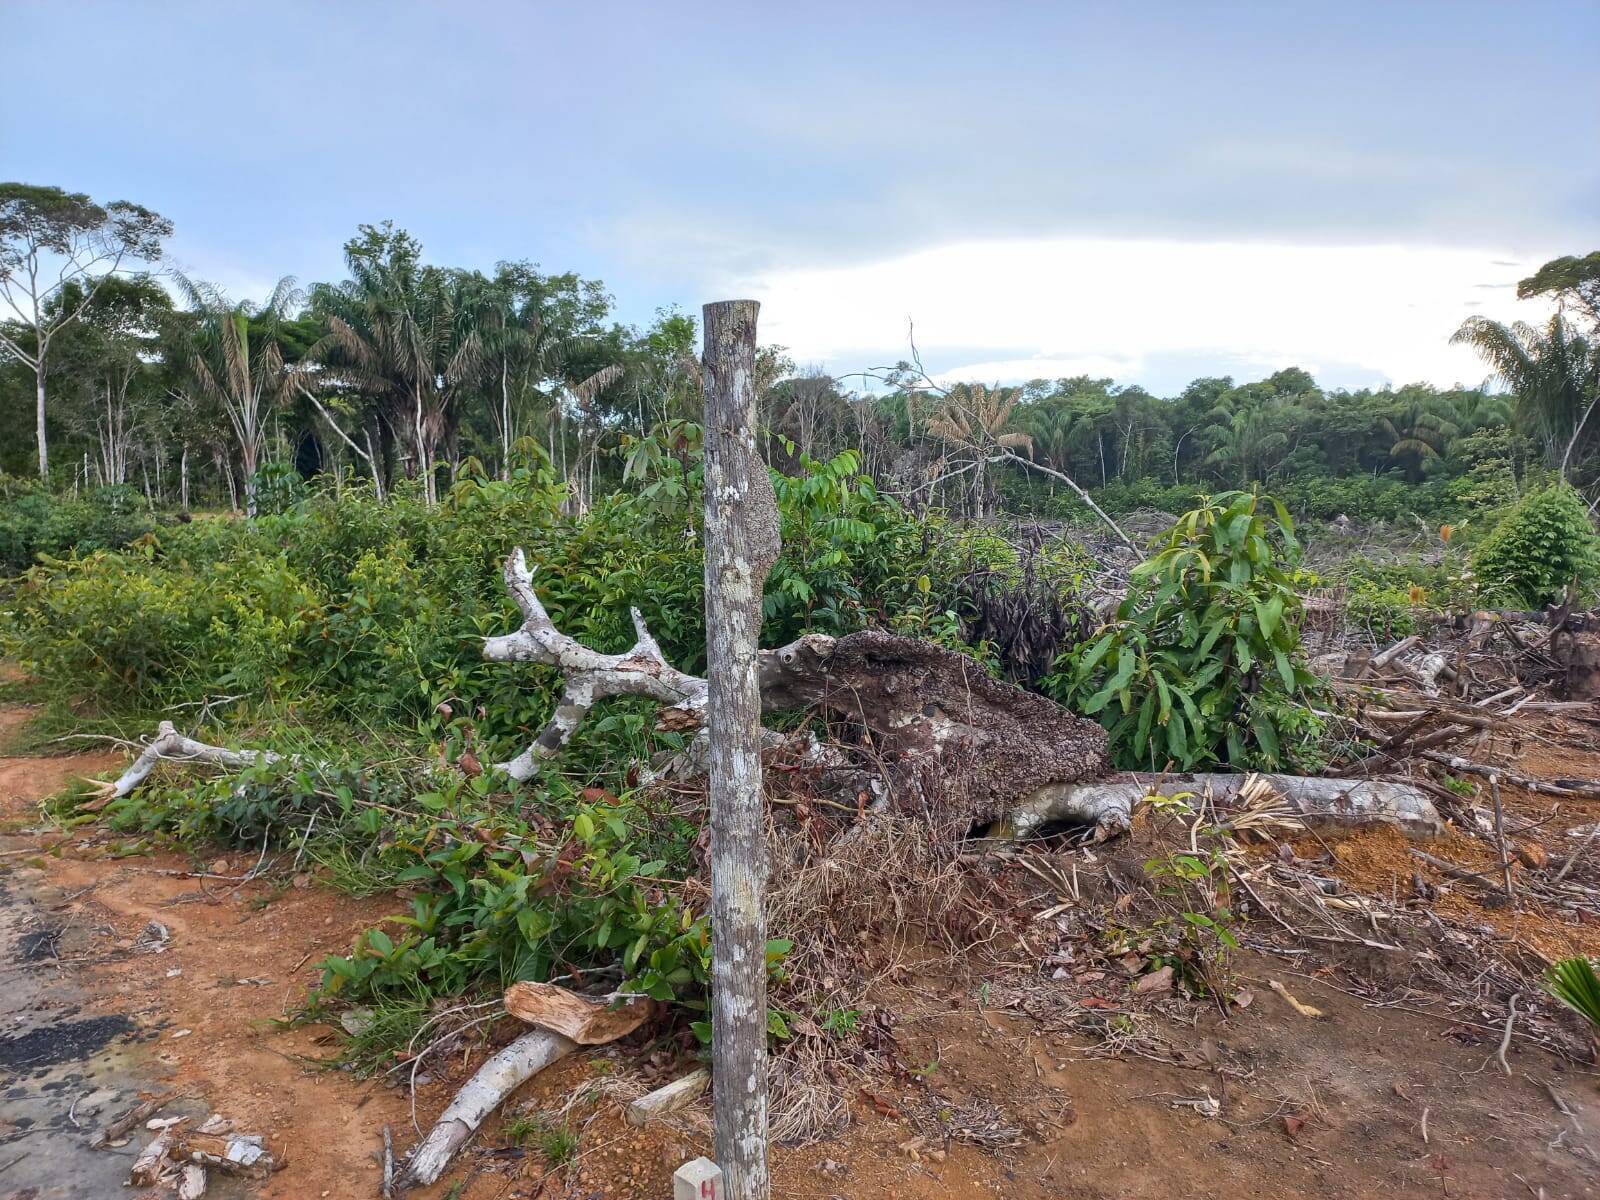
(1152, 191)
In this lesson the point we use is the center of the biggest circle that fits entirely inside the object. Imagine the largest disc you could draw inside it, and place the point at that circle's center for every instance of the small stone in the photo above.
(220, 867)
(700, 1179)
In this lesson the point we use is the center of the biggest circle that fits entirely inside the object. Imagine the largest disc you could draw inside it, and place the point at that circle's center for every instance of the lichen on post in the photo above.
(741, 544)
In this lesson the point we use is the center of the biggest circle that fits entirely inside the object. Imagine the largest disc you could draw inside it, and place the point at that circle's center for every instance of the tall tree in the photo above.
(403, 332)
(1553, 371)
(1574, 280)
(50, 240)
(107, 366)
(235, 360)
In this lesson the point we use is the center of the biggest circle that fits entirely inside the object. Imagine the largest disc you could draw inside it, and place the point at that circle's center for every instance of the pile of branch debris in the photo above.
(1465, 676)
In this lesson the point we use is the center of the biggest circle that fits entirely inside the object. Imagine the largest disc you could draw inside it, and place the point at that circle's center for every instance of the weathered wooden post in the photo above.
(741, 545)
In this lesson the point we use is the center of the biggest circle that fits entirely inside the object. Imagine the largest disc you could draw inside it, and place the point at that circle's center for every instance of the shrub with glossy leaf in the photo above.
(1541, 546)
(1202, 664)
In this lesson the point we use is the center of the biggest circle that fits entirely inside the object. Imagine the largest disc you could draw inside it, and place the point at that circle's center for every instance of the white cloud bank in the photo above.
(1135, 310)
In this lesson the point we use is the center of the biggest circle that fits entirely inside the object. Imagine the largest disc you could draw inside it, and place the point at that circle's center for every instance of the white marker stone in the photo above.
(697, 1180)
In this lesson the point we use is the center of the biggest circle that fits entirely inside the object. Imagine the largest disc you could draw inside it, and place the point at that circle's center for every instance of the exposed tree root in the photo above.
(942, 731)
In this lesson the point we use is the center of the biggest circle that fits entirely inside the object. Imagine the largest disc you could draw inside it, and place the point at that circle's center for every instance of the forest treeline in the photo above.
(405, 372)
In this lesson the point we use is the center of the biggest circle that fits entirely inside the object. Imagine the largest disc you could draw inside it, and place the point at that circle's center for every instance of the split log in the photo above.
(147, 1168)
(586, 1020)
(1337, 803)
(192, 1183)
(680, 1093)
(566, 1019)
(506, 1071)
(136, 1115)
(242, 1154)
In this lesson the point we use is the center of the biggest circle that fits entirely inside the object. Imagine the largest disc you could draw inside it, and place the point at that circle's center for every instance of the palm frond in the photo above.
(1573, 982)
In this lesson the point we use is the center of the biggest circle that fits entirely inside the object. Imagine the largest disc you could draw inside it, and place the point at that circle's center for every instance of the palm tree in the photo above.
(1245, 440)
(1554, 372)
(1420, 431)
(974, 418)
(521, 352)
(1478, 409)
(242, 379)
(405, 333)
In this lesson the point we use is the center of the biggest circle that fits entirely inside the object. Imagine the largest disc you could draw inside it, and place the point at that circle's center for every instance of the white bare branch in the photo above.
(169, 744)
(590, 675)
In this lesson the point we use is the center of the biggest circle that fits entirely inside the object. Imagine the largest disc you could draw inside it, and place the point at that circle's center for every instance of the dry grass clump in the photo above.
(860, 904)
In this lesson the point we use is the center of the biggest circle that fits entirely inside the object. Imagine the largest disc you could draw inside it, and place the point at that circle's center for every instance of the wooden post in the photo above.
(741, 541)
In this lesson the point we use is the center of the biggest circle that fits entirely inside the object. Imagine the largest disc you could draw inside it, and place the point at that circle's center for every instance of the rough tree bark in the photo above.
(742, 543)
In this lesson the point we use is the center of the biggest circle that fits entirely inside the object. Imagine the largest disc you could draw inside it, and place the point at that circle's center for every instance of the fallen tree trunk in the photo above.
(942, 732)
(1338, 803)
(506, 1071)
(937, 732)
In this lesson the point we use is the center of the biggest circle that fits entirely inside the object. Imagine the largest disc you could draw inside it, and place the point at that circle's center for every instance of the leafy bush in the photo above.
(35, 522)
(375, 611)
(277, 488)
(1540, 547)
(1202, 663)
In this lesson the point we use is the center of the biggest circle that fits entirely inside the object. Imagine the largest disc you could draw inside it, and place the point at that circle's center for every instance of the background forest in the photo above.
(195, 400)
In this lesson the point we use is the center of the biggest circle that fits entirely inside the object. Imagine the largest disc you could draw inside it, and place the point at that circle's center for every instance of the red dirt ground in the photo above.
(1333, 1107)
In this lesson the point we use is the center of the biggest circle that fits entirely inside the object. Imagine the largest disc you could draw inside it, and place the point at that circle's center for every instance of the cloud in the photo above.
(1142, 309)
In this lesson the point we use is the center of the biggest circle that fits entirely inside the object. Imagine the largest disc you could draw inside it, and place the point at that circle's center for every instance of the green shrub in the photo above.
(1539, 548)
(35, 522)
(1385, 613)
(277, 488)
(376, 611)
(1202, 663)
